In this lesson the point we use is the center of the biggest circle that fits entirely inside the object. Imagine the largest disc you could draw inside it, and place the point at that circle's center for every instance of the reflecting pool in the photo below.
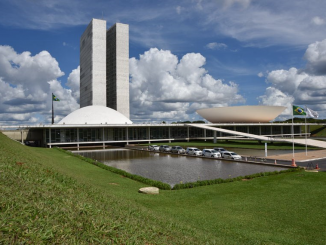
(173, 169)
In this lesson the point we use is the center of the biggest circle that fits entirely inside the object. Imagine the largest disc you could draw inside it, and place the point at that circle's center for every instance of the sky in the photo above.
(184, 55)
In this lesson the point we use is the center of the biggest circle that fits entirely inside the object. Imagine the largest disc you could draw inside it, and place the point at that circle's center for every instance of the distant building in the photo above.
(104, 66)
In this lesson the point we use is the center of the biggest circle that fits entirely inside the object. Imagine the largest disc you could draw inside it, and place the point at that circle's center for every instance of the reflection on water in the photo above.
(173, 169)
(261, 153)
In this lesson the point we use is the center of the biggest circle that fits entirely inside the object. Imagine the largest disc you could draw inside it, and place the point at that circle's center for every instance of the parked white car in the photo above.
(211, 153)
(231, 155)
(153, 147)
(220, 150)
(165, 148)
(194, 151)
(178, 149)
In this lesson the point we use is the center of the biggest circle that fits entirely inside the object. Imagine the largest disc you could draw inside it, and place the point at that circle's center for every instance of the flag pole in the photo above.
(52, 110)
(305, 124)
(292, 135)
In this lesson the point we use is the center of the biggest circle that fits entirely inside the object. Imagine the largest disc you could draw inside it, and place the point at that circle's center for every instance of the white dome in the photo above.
(241, 114)
(95, 115)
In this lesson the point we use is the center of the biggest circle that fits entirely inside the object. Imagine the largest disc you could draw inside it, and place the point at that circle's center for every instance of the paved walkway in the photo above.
(310, 142)
(301, 156)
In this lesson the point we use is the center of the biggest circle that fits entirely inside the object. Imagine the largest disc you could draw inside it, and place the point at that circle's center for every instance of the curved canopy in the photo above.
(241, 114)
(95, 115)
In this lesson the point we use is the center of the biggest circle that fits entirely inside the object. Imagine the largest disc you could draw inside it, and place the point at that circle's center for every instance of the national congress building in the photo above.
(103, 117)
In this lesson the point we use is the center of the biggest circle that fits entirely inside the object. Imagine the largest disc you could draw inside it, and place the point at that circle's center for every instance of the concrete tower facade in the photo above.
(93, 64)
(104, 66)
(117, 73)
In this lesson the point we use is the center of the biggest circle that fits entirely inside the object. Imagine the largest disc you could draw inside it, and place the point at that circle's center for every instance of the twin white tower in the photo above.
(104, 66)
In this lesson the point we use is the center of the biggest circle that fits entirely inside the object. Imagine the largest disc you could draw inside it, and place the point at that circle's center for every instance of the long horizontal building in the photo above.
(104, 135)
(103, 126)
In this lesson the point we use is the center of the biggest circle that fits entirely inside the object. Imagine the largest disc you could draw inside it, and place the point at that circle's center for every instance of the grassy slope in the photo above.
(53, 197)
(50, 197)
(318, 131)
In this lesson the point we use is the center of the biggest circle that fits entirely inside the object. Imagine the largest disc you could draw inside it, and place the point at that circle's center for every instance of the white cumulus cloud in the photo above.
(161, 84)
(276, 97)
(316, 58)
(26, 84)
(73, 83)
(286, 80)
(306, 86)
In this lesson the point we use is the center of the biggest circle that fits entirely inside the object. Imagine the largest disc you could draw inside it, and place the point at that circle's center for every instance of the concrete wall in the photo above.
(118, 68)
(123, 69)
(93, 64)
(24, 134)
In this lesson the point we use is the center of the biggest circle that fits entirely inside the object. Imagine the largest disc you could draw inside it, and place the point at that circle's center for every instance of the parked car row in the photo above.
(217, 152)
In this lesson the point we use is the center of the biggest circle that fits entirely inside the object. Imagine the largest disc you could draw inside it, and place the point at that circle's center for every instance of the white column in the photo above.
(188, 133)
(50, 137)
(169, 135)
(77, 139)
(127, 135)
(103, 138)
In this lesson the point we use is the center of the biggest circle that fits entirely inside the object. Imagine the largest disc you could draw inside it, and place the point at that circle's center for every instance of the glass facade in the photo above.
(159, 133)
(137, 133)
(68, 135)
(196, 132)
(90, 134)
(179, 132)
(61, 135)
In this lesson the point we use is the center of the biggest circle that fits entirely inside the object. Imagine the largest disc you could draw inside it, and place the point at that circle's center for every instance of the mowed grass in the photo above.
(47, 196)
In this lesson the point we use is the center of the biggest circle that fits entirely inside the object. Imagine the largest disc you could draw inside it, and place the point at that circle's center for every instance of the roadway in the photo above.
(309, 142)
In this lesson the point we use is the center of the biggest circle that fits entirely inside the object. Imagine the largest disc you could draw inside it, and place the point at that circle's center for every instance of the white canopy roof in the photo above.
(95, 115)
(241, 114)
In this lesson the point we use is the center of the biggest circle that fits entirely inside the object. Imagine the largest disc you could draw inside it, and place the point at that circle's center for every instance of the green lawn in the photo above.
(47, 196)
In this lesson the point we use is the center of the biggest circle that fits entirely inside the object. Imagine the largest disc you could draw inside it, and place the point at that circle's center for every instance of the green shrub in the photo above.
(228, 180)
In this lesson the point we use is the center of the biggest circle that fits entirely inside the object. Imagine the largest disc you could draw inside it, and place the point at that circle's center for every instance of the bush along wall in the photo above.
(155, 183)
(220, 181)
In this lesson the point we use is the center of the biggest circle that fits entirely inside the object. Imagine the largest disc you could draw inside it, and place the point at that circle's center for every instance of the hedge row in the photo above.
(220, 181)
(155, 183)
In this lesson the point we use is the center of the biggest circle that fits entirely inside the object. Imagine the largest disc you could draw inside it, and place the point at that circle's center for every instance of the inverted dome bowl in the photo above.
(241, 114)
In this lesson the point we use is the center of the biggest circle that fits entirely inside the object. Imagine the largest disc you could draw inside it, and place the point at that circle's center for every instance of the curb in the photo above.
(213, 158)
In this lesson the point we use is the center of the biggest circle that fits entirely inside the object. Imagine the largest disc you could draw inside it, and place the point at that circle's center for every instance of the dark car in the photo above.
(178, 149)
(165, 148)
